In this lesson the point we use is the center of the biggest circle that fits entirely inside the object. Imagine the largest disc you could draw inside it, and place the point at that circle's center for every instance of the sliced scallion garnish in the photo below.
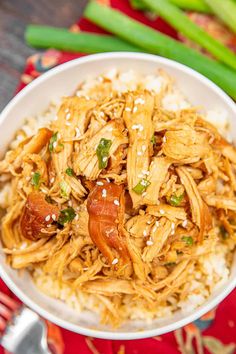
(141, 186)
(102, 152)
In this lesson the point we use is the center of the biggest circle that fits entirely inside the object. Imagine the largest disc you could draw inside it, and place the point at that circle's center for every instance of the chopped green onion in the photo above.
(60, 147)
(224, 232)
(141, 186)
(225, 10)
(102, 152)
(177, 19)
(83, 42)
(153, 139)
(65, 189)
(188, 240)
(158, 43)
(175, 201)
(35, 181)
(52, 141)
(70, 172)
(66, 215)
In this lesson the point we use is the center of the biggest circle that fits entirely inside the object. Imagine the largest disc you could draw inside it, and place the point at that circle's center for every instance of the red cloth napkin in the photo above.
(215, 332)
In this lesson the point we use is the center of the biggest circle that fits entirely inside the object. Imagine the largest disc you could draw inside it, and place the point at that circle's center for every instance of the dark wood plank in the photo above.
(14, 17)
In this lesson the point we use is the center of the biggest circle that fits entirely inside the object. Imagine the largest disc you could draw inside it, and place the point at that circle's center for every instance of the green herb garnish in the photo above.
(52, 141)
(175, 201)
(70, 172)
(66, 215)
(153, 139)
(141, 186)
(35, 181)
(224, 232)
(65, 189)
(188, 240)
(102, 152)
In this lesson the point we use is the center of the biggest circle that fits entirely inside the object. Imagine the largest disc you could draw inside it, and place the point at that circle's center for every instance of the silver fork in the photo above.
(24, 332)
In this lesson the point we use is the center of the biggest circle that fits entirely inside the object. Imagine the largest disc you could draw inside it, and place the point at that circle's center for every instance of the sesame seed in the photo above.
(144, 193)
(108, 180)
(144, 233)
(70, 203)
(157, 223)
(172, 225)
(67, 110)
(104, 193)
(143, 183)
(149, 222)
(135, 109)
(23, 245)
(68, 115)
(185, 223)
(54, 144)
(127, 109)
(102, 114)
(144, 172)
(154, 229)
(49, 225)
(139, 153)
(27, 178)
(68, 124)
(162, 212)
(164, 139)
(99, 183)
(76, 217)
(110, 129)
(77, 132)
(116, 202)
(54, 217)
(45, 191)
(47, 218)
(149, 243)
(139, 101)
(105, 158)
(144, 148)
(172, 232)
(52, 179)
(137, 126)
(115, 261)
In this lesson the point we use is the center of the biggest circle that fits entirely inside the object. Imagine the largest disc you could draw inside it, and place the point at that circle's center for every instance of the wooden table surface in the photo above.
(14, 17)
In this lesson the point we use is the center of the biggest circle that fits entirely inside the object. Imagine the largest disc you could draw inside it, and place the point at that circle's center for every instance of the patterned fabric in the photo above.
(213, 333)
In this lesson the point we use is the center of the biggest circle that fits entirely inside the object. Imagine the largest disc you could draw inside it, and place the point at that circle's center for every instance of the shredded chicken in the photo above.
(138, 120)
(186, 145)
(200, 212)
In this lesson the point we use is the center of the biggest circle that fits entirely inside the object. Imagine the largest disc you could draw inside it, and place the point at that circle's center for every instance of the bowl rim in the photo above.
(229, 286)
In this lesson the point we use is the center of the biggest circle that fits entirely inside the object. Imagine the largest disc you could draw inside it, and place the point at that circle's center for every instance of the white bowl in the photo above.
(62, 81)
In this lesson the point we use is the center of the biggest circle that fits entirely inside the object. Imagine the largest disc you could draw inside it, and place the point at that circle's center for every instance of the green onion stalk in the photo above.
(157, 43)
